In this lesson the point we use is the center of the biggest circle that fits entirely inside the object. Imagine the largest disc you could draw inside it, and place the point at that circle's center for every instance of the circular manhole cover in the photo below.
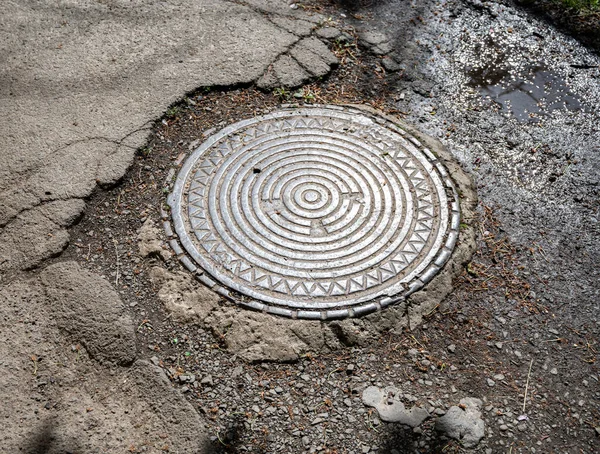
(316, 212)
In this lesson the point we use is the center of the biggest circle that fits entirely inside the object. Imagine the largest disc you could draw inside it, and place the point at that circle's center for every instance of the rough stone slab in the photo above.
(372, 37)
(70, 172)
(310, 61)
(187, 428)
(382, 49)
(328, 32)
(319, 48)
(112, 167)
(38, 234)
(253, 336)
(289, 73)
(259, 337)
(268, 80)
(283, 8)
(390, 64)
(86, 306)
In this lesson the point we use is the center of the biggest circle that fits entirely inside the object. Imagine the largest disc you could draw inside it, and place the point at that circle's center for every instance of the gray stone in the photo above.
(186, 427)
(86, 306)
(382, 49)
(463, 424)
(268, 80)
(372, 37)
(37, 234)
(390, 64)
(320, 49)
(390, 408)
(351, 332)
(289, 73)
(310, 61)
(106, 405)
(328, 32)
(345, 38)
(237, 371)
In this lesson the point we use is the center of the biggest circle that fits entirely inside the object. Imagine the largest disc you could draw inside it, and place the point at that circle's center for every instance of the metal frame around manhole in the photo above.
(283, 163)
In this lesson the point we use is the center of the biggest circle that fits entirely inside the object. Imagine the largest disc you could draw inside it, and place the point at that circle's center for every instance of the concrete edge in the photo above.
(423, 302)
(419, 300)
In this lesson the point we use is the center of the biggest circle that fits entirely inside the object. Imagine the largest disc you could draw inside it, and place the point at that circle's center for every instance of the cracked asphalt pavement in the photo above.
(85, 364)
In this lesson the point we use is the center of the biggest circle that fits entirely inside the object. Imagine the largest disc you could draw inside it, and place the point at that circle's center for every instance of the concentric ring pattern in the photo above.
(315, 212)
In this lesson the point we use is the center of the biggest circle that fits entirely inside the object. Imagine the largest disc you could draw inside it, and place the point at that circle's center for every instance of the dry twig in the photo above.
(527, 385)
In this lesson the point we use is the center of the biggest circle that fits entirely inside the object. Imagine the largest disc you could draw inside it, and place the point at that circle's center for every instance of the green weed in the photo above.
(282, 94)
(173, 112)
(582, 4)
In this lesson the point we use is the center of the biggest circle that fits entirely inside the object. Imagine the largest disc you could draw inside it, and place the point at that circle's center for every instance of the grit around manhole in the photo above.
(317, 212)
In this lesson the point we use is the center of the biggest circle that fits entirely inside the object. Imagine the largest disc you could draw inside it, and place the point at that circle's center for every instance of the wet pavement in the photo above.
(518, 103)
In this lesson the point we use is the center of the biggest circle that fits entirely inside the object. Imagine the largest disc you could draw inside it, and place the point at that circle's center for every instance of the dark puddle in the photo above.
(533, 92)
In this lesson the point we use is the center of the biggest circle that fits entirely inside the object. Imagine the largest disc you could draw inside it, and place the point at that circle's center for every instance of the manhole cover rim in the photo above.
(423, 272)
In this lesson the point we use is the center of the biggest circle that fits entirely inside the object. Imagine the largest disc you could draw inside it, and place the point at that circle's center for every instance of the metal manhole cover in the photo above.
(318, 212)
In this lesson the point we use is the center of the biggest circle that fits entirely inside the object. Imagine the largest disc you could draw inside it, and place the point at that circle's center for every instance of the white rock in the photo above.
(390, 408)
(463, 424)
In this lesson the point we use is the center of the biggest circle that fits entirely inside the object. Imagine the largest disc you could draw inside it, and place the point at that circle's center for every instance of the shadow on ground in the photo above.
(45, 441)
(398, 439)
